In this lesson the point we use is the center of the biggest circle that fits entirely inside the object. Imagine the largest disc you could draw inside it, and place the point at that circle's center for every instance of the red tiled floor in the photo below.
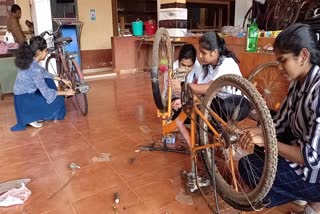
(122, 116)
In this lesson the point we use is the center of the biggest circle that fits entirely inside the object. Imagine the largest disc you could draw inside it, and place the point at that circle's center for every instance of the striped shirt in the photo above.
(300, 115)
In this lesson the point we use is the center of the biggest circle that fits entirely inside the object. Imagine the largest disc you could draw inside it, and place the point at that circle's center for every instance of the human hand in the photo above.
(67, 82)
(176, 85)
(251, 137)
(69, 92)
(176, 104)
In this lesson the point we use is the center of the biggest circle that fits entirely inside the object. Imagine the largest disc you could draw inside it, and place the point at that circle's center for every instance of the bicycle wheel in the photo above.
(77, 84)
(290, 15)
(282, 15)
(55, 67)
(247, 18)
(161, 64)
(271, 83)
(52, 65)
(235, 99)
(272, 17)
(312, 15)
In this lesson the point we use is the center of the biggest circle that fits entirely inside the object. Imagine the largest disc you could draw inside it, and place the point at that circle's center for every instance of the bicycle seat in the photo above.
(63, 39)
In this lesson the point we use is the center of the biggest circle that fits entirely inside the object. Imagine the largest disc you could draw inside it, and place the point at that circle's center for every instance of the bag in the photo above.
(8, 38)
(3, 47)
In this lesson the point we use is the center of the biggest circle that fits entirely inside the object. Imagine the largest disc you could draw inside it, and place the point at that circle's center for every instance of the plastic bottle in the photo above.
(252, 37)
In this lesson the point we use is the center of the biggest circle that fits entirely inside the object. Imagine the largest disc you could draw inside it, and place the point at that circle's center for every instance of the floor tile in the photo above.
(122, 116)
(103, 202)
(21, 154)
(92, 179)
(136, 164)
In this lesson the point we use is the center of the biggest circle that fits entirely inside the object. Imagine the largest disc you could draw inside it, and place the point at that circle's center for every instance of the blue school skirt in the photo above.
(34, 107)
(288, 185)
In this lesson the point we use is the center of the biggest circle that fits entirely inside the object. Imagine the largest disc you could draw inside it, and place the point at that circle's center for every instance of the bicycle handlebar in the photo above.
(54, 32)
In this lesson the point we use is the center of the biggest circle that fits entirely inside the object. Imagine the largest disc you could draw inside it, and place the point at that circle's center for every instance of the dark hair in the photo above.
(296, 37)
(211, 41)
(188, 51)
(15, 8)
(26, 52)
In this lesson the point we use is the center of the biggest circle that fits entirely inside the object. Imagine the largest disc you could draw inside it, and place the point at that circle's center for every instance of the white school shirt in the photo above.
(227, 66)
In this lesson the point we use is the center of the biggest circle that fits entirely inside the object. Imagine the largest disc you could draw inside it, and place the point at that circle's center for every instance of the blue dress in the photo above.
(35, 97)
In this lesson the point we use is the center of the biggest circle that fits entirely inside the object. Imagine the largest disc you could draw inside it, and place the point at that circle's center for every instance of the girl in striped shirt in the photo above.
(297, 123)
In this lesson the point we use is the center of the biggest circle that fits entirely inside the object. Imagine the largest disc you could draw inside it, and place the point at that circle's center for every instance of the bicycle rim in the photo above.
(161, 63)
(271, 83)
(55, 67)
(52, 65)
(290, 16)
(245, 109)
(247, 18)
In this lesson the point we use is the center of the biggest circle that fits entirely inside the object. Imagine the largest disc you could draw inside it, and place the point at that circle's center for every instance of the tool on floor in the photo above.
(74, 166)
(168, 139)
(6, 186)
(115, 209)
(116, 198)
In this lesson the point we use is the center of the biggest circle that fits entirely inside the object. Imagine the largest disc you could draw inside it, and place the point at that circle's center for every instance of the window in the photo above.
(64, 8)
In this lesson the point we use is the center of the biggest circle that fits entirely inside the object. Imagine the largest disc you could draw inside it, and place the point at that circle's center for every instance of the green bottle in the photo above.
(252, 37)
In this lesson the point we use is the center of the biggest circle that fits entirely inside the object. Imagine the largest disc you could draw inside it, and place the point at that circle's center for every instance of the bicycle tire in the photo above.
(290, 16)
(58, 70)
(271, 83)
(161, 34)
(310, 16)
(269, 23)
(241, 200)
(81, 98)
(246, 18)
(285, 16)
(50, 63)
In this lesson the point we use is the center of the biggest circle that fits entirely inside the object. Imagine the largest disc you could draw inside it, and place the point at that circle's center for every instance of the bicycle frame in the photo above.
(64, 57)
(169, 127)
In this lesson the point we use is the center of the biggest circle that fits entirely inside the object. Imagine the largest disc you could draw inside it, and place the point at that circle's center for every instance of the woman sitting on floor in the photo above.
(35, 93)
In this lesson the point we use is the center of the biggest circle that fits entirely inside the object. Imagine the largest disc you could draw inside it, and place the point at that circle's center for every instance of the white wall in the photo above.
(241, 9)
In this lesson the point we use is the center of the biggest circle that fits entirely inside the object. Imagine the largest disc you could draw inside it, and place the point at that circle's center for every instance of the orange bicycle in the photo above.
(64, 65)
(215, 133)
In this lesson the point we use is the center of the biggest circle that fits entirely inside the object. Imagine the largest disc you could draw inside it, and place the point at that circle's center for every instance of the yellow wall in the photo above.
(96, 34)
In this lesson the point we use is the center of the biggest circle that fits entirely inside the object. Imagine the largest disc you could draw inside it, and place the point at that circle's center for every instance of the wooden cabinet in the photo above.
(127, 11)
